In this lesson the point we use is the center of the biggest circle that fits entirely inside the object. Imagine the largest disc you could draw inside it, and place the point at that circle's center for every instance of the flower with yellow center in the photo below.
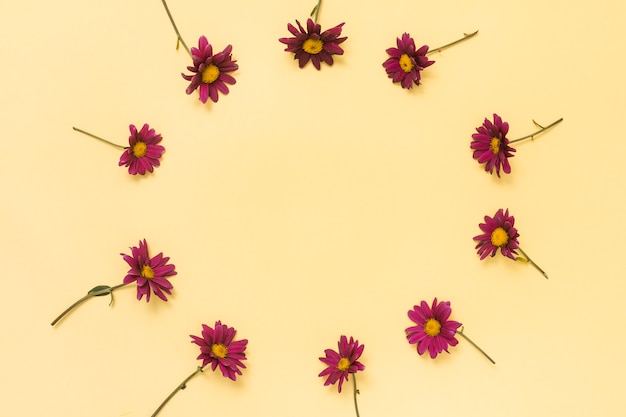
(433, 331)
(210, 74)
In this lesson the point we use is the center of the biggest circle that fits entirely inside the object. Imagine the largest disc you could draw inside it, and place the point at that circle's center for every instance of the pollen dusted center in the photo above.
(147, 272)
(499, 237)
(495, 145)
(313, 46)
(432, 327)
(406, 64)
(139, 149)
(210, 74)
(219, 350)
(343, 364)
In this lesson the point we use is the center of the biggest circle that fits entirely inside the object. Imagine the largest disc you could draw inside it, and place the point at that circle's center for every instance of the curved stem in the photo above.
(95, 292)
(460, 332)
(441, 48)
(182, 386)
(543, 129)
(180, 38)
(316, 10)
(99, 138)
(532, 263)
(356, 392)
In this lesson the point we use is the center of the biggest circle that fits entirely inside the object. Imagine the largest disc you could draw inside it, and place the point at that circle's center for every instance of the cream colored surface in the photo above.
(309, 204)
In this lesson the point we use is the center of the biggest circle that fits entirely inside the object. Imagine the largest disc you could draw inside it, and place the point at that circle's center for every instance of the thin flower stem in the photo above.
(180, 38)
(180, 387)
(99, 138)
(441, 48)
(316, 9)
(356, 392)
(543, 129)
(104, 290)
(533, 263)
(460, 332)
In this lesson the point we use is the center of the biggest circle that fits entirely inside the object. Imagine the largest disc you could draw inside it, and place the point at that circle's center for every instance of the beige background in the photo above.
(309, 204)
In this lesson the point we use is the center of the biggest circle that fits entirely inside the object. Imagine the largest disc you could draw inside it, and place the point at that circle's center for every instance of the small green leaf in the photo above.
(314, 10)
(100, 290)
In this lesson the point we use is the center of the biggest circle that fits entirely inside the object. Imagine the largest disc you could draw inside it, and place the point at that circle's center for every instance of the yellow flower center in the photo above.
(313, 46)
(219, 350)
(432, 327)
(147, 272)
(405, 63)
(139, 149)
(495, 145)
(343, 364)
(499, 237)
(210, 74)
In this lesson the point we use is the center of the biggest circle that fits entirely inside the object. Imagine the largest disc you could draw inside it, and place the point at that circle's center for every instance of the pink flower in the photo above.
(143, 153)
(149, 273)
(499, 233)
(211, 71)
(406, 62)
(218, 349)
(491, 146)
(343, 363)
(312, 44)
(433, 331)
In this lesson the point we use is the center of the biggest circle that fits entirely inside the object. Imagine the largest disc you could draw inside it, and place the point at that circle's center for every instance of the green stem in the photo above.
(179, 38)
(543, 129)
(180, 387)
(460, 332)
(532, 262)
(441, 48)
(316, 10)
(99, 138)
(95, 292)
(356, 392)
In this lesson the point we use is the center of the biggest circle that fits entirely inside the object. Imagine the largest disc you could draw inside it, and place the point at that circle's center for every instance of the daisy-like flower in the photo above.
(433, 331)
(342, 363)
(210, 72)
(499, 232)
(492, 147)
(149, 273)
(313, 44)
(217, 348)
(405, 62)
(144, 152)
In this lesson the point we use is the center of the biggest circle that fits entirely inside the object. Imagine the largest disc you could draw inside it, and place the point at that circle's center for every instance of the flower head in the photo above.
(491, 146)
(218, 349)
(143, 153)
(433, 331)
(210, 71)
(342, 363)
(405, 62)
(499, 233)
(313, 44)
(150, 273)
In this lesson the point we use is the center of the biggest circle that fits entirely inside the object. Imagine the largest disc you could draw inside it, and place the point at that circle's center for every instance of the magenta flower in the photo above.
(491, 146)
(433, 331)
(498, 233)
(149, 273)
(211, 71)
(144, 153)
(312, 45)
(406, 62)
(342, 363)
(218, 349)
